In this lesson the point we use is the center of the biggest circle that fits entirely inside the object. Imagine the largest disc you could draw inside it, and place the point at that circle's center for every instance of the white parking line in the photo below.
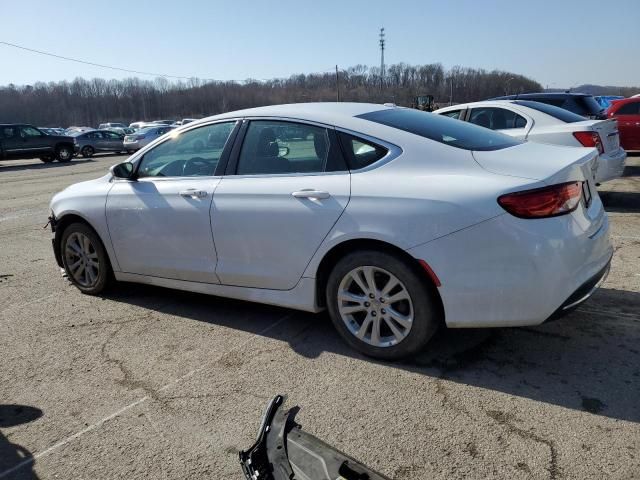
(99, 423)
(36, 300)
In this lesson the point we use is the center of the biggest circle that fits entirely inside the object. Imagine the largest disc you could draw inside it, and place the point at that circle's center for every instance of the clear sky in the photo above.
(559, 43)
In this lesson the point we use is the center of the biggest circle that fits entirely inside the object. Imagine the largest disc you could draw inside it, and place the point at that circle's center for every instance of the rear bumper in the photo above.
(611, 166)
(509, 272)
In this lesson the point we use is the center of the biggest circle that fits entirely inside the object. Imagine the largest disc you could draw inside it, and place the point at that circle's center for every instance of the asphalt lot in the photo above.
(152, 383)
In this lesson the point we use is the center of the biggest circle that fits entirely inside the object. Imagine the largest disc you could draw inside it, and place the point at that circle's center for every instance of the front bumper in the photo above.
(611, 166)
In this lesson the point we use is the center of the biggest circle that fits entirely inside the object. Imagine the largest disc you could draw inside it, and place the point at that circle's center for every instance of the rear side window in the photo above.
(441, 129)
(360, 153)
(556, 112)
(497, 118)
(629, 109)
(452, 114)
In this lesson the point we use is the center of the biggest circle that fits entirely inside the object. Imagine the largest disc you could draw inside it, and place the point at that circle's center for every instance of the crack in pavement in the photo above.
(506, 420)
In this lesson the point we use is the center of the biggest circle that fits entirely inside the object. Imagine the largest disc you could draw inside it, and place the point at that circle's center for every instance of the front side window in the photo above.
(441, 129)
(275, 147)
(189, 154)
(95, 135)
(30, 132)
(496, 118)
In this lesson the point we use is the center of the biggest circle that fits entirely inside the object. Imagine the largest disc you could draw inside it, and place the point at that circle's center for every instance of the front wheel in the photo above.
(85, 259)
(381, 305)
(64, 153)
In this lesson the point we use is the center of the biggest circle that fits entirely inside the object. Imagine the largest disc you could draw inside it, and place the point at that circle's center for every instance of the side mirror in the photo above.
(122, 170)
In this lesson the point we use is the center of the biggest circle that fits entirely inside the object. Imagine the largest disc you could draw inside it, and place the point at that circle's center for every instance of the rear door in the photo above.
(12, 142)
(286, 186)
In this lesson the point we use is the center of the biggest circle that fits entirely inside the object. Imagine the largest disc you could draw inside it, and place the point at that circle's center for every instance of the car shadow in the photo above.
(14, 456)
(41, 166)
(588, 361)
(631, 171)
(622, 202)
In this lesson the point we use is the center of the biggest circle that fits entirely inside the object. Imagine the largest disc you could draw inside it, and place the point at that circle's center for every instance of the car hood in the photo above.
(542, 162)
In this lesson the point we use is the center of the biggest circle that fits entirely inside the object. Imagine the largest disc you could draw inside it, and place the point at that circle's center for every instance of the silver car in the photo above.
(144, 136)
(89, 143)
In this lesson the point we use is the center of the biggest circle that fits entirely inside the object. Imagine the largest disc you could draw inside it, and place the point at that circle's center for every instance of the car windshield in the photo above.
(441, 129)
(147, 129)
(556, 112)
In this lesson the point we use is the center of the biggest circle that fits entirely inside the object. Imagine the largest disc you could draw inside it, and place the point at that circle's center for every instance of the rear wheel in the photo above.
(85, 259)
(87, 151)
(64, 153)
(381, 306)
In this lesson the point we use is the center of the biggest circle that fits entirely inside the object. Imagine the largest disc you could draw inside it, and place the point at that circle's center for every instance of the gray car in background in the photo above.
(144, 136)
(89, 143)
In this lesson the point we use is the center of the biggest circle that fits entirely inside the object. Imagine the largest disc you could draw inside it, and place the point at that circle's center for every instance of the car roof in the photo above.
(332, 113)
(542, 94)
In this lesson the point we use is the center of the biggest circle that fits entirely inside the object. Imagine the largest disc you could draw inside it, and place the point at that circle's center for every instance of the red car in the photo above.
(627, 112)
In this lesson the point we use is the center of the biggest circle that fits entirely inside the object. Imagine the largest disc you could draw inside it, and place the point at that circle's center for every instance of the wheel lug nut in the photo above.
(373, 314)
(371, 295)
(367, 304)
(381, 300)
(383, 311)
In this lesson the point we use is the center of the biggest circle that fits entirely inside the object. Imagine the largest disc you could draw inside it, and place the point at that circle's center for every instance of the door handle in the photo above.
(193, 193)
(311, 193)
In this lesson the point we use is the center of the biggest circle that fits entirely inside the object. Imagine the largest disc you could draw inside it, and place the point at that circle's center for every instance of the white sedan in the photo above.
(396, 221)
(542, 123)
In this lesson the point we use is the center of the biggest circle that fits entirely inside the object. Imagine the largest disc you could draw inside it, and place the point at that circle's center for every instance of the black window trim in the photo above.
(232, 166)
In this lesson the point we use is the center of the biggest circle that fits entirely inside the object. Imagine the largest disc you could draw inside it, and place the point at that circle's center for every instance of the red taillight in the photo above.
(590, 139)
(543, 202)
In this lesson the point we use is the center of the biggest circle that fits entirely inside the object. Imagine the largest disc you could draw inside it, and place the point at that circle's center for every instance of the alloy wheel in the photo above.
(375, 306)
(82, 259)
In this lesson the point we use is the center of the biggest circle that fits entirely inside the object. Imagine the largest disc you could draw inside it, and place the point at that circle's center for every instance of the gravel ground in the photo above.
(152, 383)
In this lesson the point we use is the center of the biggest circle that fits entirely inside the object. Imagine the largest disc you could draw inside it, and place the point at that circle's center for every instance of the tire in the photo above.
(64, 153)
(87, 151)
(47, 159)
(74, 249)
(417, 311)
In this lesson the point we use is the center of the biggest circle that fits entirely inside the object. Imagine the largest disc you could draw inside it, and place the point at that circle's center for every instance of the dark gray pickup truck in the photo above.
(18, 140)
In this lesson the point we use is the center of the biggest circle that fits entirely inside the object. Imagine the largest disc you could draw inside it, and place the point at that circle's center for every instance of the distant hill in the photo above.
(600, 90)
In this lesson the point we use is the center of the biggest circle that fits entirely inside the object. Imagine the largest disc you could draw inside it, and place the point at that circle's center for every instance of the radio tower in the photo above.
(382, 42)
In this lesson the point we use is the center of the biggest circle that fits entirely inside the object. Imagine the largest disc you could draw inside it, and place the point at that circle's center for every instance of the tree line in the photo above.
(90, 102)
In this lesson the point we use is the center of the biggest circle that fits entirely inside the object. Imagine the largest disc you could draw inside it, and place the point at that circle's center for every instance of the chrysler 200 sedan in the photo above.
(396, 221)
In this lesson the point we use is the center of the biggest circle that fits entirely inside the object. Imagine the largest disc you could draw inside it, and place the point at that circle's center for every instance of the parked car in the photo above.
(395, 220)
(122, 130)
(76, 130)
(627, 113)
(543, 123)
(89, 143)
(580, 103)
(605, 100)
(144, 136)
(106, 126)
(18, 140)
(164, 122)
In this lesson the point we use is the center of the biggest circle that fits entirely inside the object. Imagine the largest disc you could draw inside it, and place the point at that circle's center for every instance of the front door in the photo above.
(286, 191)
(160, 223)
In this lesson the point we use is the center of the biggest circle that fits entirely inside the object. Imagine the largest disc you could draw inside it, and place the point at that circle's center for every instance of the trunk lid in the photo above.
(550, 164)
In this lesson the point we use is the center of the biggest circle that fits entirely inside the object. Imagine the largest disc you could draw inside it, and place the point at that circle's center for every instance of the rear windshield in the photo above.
(441, 129)
(556, 112)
